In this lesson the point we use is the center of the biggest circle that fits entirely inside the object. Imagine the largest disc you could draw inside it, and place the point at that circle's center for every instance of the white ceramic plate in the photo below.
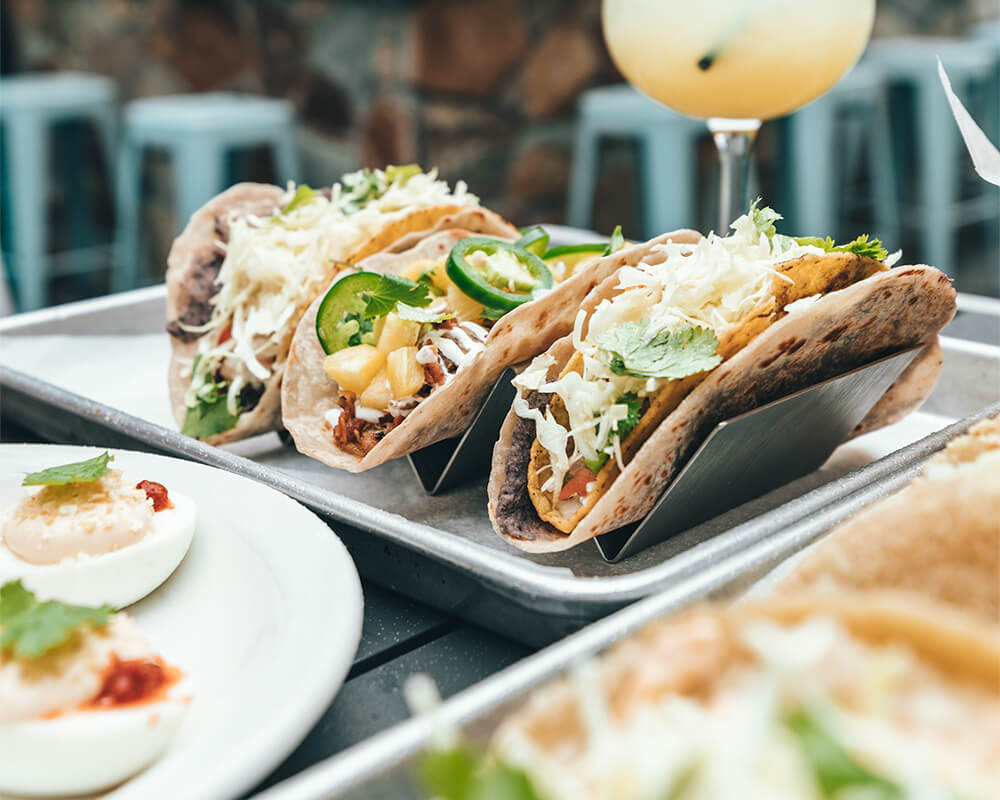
(263, 615)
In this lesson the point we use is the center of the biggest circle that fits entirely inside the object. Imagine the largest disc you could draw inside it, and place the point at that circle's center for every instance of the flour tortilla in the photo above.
(939, 536)
(188, 276)
(674, 656)
(308, 393)
(844, 329)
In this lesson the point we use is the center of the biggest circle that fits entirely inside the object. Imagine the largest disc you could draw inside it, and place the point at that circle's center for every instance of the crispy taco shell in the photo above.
(865, 313)
(308, 393)
(194, 262)
(939, 536)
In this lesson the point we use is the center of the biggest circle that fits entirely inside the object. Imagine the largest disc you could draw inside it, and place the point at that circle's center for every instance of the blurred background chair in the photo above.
(825, 139)
(667, 147)
(925, 127)
(31, 106)
(197, 131)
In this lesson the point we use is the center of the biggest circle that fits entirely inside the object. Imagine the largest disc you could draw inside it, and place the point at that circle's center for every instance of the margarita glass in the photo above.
(735, 63)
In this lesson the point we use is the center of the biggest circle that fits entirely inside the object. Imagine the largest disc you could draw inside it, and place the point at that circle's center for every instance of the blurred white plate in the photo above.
(263, 616)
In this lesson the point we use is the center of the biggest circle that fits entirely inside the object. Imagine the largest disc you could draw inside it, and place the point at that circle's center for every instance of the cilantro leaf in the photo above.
(303, 196)
(667, 354)
(208, 417)
(77, 472)
(428, 280)
(833, 767)
(403, 311)
(622, 429)
(763, 219)
(462, 774)
(31, 628)
(862, 246)
(616, 243)
(391, 291)
(492, 313)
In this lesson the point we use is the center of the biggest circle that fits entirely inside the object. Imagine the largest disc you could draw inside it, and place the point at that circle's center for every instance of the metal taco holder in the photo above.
(383, 766)
(439, 549)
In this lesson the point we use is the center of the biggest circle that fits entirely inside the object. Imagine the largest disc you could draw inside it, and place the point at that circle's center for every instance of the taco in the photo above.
(688, 336)
(251, 260)
(382, 366)
(872, 695)
(939, 536)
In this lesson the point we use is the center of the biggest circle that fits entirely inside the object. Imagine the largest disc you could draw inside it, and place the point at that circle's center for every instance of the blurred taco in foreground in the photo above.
(878, 695)
(251, 260)
(383, 365)
(939, 536)
(684, 337)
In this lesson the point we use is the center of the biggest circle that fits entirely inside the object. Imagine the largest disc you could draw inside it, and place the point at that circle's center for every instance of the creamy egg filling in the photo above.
(89, 518)
(68, 676)
(733, 738)
(711, 285)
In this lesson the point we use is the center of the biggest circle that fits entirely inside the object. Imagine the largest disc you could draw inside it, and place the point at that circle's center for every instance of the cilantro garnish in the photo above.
(616, 243)
(834, 768)
(460, 773)
(674, 354)
(77, 472)
(763, 219)
(392, 290)
(29, 628)
(492, 313)
(427, 280)
(303, 196)
(862, 246)
(622, 429)
(210, 413)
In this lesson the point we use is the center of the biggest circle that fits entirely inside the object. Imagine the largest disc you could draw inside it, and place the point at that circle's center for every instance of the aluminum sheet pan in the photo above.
(383, 766)
(94, 372)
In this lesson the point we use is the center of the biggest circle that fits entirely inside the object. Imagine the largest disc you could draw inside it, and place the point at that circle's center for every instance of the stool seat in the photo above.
(67, 92)
(212, 111)
(906, 56)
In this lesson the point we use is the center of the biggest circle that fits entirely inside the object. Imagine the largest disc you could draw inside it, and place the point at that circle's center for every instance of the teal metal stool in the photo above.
(939, 210)
(30, 105)
(818, 165)
(668, 152)
(197, 131)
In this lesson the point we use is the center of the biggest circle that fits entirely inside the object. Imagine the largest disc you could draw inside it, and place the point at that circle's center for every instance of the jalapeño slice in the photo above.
(341, 313)
(489, 287)
(534, 240)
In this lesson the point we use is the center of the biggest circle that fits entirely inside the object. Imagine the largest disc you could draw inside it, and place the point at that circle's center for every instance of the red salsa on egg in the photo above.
(156, 492)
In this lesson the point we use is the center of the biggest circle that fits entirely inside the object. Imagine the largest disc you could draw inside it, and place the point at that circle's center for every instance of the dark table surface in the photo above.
(400, 637)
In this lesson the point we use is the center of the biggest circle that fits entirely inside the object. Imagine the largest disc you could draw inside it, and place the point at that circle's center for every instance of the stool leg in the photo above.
(668, 178)
(583, 176)
(937, 175)
(105, 122)
(883, 175)
(286, 158)
(26, 166)
(815, 184)
(199, 174)
(128, 215)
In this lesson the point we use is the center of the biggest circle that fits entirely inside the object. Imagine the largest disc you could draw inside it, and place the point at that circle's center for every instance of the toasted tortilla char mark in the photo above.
(811, 275)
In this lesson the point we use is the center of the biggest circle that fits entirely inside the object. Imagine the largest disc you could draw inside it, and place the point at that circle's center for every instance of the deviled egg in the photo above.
(89, 535)
(85, 702)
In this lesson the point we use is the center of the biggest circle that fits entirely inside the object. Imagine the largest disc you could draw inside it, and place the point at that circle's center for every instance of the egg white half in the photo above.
(87, 750)
(119, 578)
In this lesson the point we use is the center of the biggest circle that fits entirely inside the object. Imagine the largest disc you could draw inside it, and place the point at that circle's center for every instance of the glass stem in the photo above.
(734, 141)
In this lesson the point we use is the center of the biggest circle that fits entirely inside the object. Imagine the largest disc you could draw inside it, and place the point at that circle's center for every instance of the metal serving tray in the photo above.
(383, 767)
(94, 372)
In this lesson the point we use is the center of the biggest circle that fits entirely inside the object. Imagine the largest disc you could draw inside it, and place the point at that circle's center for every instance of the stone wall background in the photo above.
(483, 89)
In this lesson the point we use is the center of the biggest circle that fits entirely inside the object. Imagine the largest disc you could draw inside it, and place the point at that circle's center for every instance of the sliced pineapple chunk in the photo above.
(405, 373)
(397, 332)
(354, 367)
(377, 394)
(464, 307)
(439, 276)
